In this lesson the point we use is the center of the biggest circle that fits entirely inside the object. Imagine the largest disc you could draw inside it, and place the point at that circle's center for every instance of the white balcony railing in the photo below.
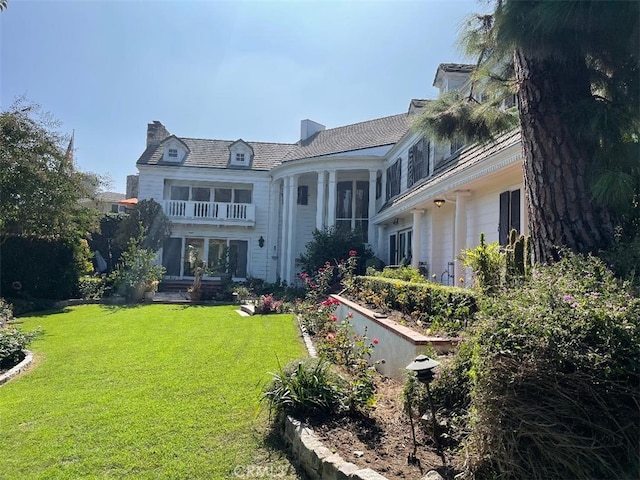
(242, 213)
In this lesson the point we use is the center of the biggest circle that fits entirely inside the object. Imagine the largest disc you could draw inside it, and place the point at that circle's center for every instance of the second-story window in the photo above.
(393, 179)
(240, 157)
(173, 153)
(418, 163)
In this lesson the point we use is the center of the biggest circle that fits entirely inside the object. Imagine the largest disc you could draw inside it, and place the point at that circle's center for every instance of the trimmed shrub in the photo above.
(446, 308)
(407, 274)
(41, 268)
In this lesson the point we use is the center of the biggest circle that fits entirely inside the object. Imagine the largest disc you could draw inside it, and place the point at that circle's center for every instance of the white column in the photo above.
(416, 240)
(331, 204)
(286, 186)
(271, 238)
(372, 205)
(293, 190)
(460, 233)
(320, 200)
(382, 244)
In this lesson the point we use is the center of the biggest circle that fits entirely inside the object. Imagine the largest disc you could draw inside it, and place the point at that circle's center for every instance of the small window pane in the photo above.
(200, 194)
(303, 195)
(222, 195)
(179, 193)
(242, 196)
(173, 153)
(344, 200)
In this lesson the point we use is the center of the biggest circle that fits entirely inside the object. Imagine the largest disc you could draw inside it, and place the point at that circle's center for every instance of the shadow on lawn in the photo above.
(277, 449)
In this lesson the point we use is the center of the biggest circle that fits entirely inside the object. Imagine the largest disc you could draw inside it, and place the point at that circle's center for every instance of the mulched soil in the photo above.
(382, 440)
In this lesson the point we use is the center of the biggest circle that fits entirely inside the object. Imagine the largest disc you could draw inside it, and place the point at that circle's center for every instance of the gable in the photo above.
(240, 154)
(174, 150)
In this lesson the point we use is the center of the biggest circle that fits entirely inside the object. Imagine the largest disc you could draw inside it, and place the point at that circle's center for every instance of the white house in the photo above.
(413, 198)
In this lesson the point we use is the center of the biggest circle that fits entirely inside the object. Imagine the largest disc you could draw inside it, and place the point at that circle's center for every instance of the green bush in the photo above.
(407, 274)
(333, 245)
(305, 388)
(12, 341)
(446, 308)
(556, 378)
(138, 272)
(624, 259)
(486, 261)
(41, 267)
(92, 287)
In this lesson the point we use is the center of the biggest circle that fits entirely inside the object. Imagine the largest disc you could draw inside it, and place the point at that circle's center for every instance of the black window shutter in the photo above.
(392, 250)
(515, 211)
(503, 226)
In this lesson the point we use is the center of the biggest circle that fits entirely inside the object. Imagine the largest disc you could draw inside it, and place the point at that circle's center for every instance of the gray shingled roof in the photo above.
(458, 162)
(373, 133)
(456, 67)
(215, 153)
(113, 197)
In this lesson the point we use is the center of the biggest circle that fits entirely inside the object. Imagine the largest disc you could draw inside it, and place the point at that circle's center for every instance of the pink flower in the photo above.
(350, 315)
(304, 275)
(334, 318)
(352, 253)
(375, 341)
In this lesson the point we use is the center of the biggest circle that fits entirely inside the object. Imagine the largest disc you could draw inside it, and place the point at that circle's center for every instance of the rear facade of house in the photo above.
(415, 201)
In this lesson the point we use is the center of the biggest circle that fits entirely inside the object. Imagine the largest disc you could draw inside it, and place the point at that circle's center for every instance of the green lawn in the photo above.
(154, 391)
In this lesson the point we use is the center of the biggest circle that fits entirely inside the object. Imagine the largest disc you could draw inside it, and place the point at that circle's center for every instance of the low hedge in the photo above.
(448, 308)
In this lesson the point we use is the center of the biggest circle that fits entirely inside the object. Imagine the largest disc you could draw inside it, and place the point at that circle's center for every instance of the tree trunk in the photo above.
(562, 212)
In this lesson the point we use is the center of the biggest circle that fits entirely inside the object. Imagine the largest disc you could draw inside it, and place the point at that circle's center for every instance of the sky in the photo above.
(219, 69)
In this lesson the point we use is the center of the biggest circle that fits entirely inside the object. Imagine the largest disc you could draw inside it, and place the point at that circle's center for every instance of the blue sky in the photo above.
(219, 69)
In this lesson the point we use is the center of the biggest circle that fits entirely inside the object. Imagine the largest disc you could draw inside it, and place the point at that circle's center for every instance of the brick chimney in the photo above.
(156, 133)
(132, 186)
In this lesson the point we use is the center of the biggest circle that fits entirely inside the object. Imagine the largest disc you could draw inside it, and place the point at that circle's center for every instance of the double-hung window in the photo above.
(393, 179)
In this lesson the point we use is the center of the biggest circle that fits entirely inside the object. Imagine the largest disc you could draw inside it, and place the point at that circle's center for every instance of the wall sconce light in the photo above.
(439, 202)
(261, 241)
(396, 221)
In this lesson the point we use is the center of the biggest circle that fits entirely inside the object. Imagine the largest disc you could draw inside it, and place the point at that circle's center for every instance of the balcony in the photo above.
(219, 213)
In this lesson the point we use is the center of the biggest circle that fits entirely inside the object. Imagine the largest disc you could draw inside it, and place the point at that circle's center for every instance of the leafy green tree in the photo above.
(574, 67)
(39, 185)
(148, 221)
(332, 245)
(104, 240)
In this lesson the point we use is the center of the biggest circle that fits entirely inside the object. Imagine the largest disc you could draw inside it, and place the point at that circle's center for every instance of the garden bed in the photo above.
(398, 345)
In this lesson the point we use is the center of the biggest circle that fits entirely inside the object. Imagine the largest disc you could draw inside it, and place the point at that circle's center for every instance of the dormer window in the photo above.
(175, 150)
(240, 154)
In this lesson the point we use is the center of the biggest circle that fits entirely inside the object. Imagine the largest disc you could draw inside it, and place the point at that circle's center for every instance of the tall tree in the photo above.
(39, 185)
(146, 220)
(574, 67)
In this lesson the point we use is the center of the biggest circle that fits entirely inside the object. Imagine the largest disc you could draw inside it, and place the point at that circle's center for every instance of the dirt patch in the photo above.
(382, 440)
